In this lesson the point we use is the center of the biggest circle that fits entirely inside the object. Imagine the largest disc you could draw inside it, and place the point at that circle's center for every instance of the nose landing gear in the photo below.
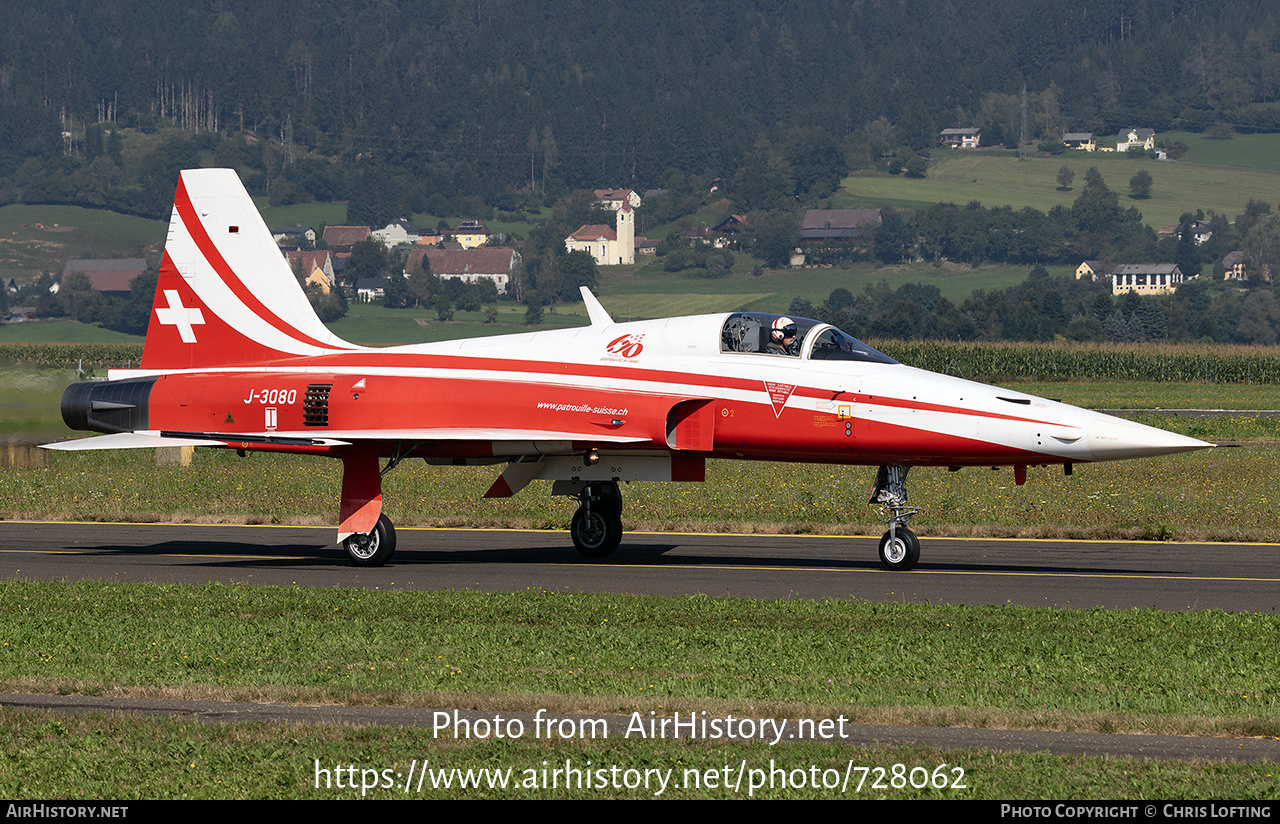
(597, 524)
(899, 547)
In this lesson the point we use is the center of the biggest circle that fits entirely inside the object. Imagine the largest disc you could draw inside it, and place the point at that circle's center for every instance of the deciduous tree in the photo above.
(1140, 185)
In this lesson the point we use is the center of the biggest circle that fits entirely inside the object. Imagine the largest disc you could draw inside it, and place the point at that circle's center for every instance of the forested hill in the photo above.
(493, 95)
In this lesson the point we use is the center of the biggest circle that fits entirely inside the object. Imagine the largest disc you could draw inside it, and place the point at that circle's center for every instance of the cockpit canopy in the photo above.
(751, 333)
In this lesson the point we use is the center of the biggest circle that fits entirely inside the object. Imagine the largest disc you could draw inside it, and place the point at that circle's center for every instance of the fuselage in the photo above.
(664, 384)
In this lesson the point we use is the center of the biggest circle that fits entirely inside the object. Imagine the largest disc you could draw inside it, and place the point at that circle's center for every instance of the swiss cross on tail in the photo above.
(182, 326)
(175, 314)
(186, 332)
(180, 322)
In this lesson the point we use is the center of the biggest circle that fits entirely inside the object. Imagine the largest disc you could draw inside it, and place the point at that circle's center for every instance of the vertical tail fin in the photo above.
(226, 295)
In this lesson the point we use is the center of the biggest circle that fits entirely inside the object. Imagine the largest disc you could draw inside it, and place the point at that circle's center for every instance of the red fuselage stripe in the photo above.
(375, 361)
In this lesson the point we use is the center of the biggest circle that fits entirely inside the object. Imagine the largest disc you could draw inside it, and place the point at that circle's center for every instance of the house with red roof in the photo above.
(495, 263)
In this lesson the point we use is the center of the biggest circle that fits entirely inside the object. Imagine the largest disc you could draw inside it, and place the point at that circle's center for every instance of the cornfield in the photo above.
(87, 356)
(1056, 362)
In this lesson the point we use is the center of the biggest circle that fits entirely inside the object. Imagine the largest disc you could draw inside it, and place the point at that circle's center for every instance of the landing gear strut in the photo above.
(597, 524)
(373, 548)
(899, 547)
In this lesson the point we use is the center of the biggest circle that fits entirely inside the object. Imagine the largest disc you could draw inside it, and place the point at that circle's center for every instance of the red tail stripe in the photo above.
(187, 212)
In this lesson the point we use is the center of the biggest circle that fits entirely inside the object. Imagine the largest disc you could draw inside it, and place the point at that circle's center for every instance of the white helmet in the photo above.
(783, 328)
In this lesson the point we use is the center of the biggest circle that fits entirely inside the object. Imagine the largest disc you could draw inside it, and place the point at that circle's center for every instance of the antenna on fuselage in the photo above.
(597, 313)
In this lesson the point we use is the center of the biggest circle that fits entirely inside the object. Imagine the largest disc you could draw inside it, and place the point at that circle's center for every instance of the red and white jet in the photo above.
(236, 358)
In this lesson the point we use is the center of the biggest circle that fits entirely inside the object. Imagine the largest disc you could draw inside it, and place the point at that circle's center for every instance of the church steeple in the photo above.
(626, 234)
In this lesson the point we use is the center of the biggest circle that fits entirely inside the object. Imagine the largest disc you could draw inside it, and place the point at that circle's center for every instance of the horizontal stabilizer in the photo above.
(127, 440)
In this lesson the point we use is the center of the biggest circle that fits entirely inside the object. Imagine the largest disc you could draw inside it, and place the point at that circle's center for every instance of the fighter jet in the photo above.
(235, 358)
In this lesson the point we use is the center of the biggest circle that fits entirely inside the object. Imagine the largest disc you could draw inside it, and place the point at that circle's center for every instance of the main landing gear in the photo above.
(899, 547)
(374, 548)
(597, 523)
(362, 487)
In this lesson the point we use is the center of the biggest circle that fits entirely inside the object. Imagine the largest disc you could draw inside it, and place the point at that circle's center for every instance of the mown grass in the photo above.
(30, 401)
(1006, 667)
(374, 325)
(1139, 395)
(1250, 151)
(1000, 179)
(53, 756)
(1132, 670)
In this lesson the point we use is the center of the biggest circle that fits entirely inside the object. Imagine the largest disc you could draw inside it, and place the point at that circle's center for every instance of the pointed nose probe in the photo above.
(1112, 439)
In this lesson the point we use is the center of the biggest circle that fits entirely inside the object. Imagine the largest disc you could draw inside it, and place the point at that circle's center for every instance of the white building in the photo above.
(609, 247)
(397, 233)
(1146, 279)
(612, 199)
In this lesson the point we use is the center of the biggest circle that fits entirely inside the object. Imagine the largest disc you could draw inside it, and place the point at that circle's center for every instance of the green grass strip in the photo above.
(1137, 670)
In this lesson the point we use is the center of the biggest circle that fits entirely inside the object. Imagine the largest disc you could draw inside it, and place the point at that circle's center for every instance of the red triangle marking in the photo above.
(778, 394)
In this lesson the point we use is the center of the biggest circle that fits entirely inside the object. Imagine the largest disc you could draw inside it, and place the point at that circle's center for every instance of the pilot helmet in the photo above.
(783, 328)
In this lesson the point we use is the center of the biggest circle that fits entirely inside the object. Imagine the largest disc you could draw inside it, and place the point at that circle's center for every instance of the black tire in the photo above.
(596, 533)
(373, 549)
(899, 550)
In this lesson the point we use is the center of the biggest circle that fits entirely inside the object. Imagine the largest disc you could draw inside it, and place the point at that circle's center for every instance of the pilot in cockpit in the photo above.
(782, 338)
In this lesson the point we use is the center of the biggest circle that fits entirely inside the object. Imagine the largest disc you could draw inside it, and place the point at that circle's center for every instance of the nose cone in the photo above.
(1112, 439)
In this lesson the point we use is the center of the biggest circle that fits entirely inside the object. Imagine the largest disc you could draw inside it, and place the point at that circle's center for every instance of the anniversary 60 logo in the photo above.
(627, 346)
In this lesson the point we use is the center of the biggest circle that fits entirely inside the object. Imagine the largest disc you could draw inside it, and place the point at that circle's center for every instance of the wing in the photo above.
(514, 441)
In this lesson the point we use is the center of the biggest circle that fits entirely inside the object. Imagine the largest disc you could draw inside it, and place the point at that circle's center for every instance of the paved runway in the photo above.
(1062, 574)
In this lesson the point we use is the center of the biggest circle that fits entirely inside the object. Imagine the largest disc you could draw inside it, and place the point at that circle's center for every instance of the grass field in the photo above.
(1249, 151)
(998, 178)
(1006, 667)
(67, 232)
(375, 325)
(55, 756)
(61, 330)
(30, 401)
(1135, 395)
(646, 291)
(302, 214)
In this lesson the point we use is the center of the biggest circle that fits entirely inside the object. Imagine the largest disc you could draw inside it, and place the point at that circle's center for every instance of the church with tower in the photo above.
(609, 246)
